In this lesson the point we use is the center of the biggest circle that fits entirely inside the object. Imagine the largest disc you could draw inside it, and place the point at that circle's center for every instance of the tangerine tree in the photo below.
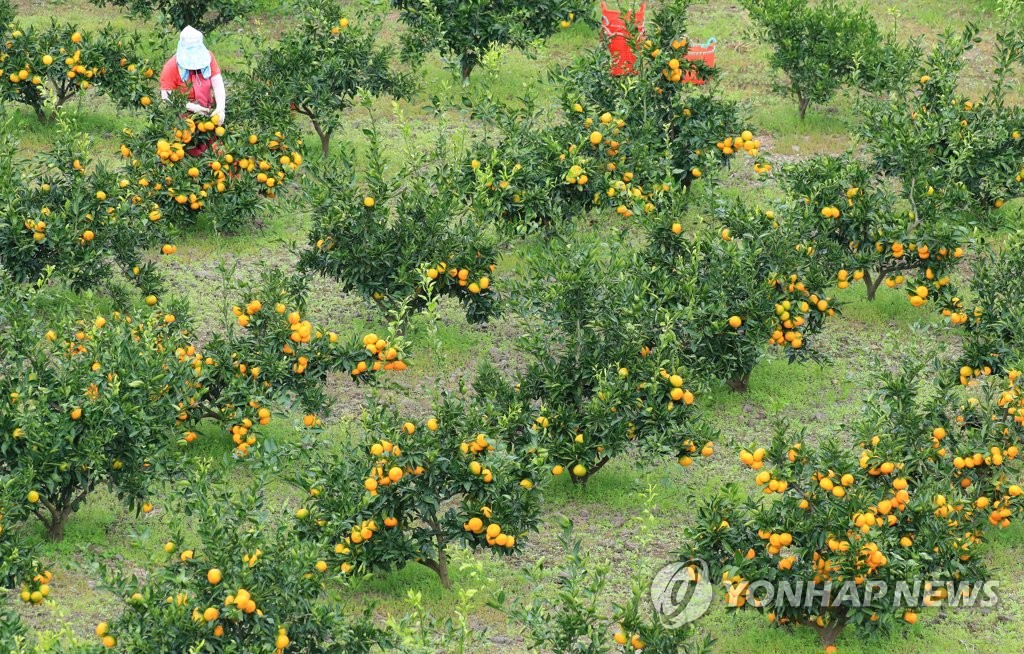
(230, 581)
(44, 68)
(677, 129)
(340, 58)
(993, 340)
(573, 619)
(871, 234)
(599, 377)
(825, 46)
(538, 175)
(466, 29)
(402, 235)
(18, 564)
(929, 133)
(193, 167)
(880, 533)
(414, 489)
(82, 222)
(731, 290)
(85, 403)
(268, 357)
(108, 400)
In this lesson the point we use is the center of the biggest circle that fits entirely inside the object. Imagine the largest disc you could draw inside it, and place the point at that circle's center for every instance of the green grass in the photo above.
(629, 496)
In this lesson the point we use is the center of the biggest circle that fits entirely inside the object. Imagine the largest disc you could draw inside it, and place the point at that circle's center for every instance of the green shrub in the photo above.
(600, 375)
(993, 329)
(339, 57)
(402, 236)
(412, 490)
(12, 629)
(928, 133)
(6, 12)
(236, 577)
(465, 29)
(573, 618)
(204, 15)
(821, 47)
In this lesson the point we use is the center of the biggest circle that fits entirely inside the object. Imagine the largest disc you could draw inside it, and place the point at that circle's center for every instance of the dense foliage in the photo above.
(466, 29)
(204, 15)
(822, 47)
(340, 57)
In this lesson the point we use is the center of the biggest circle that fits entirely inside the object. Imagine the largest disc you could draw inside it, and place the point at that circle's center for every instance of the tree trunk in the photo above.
(872, 284)
(55, 529)
(582, 481)
(830, 632)
(325, 138)
(41, 115)
(740, 383)
(803, 103)
(442, 568)
(469, 61)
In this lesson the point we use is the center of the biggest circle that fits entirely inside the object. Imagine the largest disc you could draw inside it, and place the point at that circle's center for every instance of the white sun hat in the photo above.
(192, 53)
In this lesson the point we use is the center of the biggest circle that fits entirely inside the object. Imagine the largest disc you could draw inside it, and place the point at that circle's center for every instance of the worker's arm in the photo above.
(219, 96)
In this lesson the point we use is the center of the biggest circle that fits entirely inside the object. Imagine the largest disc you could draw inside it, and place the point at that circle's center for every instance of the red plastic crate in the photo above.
(614, 26)
(704, 53)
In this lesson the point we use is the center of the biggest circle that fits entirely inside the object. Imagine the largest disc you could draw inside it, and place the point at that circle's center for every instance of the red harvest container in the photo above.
(704, 53)
(615, 28)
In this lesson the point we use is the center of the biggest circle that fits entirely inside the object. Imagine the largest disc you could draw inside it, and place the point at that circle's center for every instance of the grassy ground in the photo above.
(631, 514)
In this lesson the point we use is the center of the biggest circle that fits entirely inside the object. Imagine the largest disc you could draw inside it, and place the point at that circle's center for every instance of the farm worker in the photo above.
(194, 69)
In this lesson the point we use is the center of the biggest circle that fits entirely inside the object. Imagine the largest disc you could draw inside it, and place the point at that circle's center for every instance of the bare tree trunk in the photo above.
(55, 530)
(592, 471)
(440, 566)
(469, 61)
(830, 632)
(740, 383)
(872, 284)
(325, 137)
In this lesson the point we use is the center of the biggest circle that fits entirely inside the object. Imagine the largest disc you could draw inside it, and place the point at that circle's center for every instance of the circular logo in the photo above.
(681, 592)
